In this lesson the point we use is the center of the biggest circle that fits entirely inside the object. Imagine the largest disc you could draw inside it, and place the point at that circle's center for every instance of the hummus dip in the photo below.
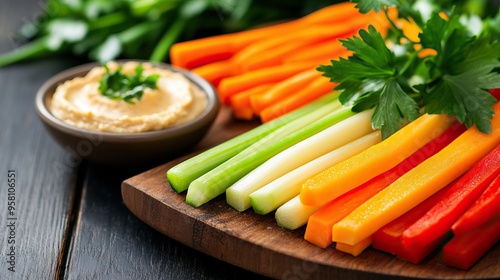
(176, 100)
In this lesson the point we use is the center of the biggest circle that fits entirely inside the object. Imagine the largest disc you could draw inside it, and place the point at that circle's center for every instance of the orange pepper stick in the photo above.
(355, 249)
(388, 238)
(283, 89)
(349, 174)
(418, 184)
(319, 225)
(315, 89)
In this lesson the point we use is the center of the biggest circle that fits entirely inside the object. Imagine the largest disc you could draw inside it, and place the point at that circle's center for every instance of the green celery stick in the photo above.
(182, 174)
(215, 182)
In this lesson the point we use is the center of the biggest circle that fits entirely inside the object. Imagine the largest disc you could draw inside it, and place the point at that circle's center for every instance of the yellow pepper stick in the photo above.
(347, 175)
(355, 249)
(418, 184)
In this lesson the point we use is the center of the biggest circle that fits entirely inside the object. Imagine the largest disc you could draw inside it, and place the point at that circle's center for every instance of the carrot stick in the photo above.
(319, 226)
(324, 51)
(418, 184)
(240, 102)
(266, 45)
(312, 91)
(283, 89)
(232, 85)
(265, 54)
(214, 72)
(345, 176)
(355, 249)
(272, 57)
(194, 53)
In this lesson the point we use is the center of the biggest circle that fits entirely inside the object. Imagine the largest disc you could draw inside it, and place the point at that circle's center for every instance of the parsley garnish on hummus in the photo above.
(117, 85)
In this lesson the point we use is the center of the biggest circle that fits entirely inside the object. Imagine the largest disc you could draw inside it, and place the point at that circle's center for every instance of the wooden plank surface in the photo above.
(111, 243)
(256, 243)
(45, 178)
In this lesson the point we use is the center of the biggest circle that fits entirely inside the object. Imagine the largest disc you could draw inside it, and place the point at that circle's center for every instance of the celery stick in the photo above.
(279, 191)
(181, 175)
(333, 137)
(293, 214)
(216, 181)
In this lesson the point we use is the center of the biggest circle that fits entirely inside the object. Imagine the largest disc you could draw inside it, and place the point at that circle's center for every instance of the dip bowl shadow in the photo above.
(126, 148)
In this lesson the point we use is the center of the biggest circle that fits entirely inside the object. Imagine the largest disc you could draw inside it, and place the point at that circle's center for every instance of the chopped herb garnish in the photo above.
(129, 88)
(453, 80)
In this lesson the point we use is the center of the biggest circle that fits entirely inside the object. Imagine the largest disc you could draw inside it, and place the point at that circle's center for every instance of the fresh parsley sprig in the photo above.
(117, 85)
(454, 81)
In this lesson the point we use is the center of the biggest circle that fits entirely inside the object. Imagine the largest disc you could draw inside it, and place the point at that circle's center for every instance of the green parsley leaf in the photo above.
(397, 81)
(393, 105)
(117, 85)
(463, 92)
(369, 78)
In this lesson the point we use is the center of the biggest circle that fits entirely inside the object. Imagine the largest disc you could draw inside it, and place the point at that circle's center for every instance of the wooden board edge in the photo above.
(270, 263)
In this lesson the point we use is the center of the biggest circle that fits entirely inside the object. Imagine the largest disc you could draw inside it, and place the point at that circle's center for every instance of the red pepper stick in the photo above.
(483, 209)
(466, 249)
(425, 235)
(388, 238)
(496, 93)
(319, 225)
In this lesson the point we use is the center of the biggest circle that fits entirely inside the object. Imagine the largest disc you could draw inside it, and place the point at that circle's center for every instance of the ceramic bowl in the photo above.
(125, 148)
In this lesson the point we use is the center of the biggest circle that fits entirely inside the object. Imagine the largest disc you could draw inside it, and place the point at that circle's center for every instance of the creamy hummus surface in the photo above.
(175, 100)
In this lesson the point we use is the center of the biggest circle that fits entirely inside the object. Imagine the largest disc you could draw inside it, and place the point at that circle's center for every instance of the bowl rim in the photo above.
(208, 115)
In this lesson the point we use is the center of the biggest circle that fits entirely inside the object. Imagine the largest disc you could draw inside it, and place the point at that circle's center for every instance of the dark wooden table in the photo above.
(69, 220)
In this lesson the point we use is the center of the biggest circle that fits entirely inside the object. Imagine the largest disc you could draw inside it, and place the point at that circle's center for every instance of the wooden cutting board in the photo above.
(256, 243)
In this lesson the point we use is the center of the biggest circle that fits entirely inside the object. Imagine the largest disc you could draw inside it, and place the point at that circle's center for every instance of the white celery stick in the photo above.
(284, 188)
(334, 136)
(293, 214)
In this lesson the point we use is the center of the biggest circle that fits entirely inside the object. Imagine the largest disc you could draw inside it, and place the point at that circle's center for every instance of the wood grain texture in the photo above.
(111, 243)
(256, 243)
(45, 175)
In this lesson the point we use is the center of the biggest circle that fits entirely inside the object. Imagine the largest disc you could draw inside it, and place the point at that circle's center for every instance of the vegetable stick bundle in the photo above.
(268, 71)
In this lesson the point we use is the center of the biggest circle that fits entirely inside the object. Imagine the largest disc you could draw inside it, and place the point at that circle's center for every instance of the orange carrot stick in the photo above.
(326, 51)
(345, 176)
(283, 89)
(240, 102)
(271, 57)
(317, 88)
(232, 85)
(194, 53)
(418, 184)
(260, 54)
(319, 225)
(216, 71)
